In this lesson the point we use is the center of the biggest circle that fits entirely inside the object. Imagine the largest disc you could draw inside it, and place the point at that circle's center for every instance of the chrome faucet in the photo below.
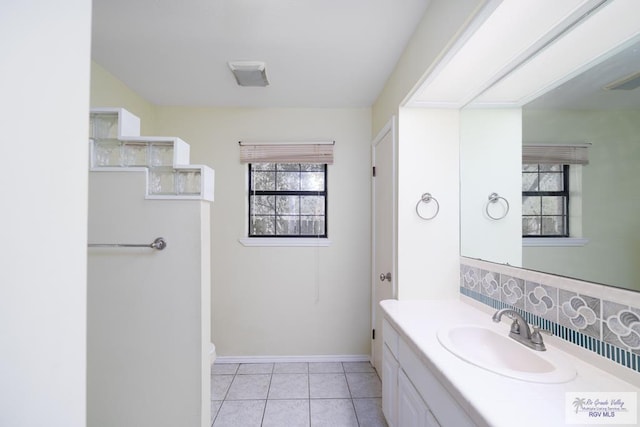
(520, 329)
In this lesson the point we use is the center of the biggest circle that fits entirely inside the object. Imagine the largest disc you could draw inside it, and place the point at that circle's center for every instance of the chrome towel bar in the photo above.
(158, 244)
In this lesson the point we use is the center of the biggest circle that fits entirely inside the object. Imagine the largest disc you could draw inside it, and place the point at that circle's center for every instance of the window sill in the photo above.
(554, 241)
(284, 241)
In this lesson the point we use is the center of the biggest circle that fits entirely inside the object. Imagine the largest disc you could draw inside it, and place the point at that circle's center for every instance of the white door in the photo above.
(383, 249)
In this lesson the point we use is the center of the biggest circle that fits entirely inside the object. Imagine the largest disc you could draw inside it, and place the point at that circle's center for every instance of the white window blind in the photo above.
(564, 154)
(286, 152)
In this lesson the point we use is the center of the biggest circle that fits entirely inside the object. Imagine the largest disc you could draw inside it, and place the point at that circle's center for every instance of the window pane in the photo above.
(552, 225)
(531, 205)
(288, 205)
(263, 166)
(552, 205)
(529, 182)
(262, 205)
(313, 205)
(288, 225)
(312, 167)
(263, 181)
(263, 225)
(530, 226)
(530, 168)
(550, 168)
(291, 167)
(312, 181)
(550, 182)
(288, 181)
(312, 225)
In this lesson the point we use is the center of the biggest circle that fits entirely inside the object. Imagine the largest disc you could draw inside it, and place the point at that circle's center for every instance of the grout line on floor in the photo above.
(309, 399)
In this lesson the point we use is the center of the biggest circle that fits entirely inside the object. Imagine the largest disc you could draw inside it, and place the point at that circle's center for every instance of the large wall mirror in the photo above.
(601, 107)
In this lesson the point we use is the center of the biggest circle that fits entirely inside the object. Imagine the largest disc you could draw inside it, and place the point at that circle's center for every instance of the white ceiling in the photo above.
(319, 53)
(586, 91)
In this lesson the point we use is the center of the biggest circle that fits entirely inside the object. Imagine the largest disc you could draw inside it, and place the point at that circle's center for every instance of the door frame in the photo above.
(389, 127)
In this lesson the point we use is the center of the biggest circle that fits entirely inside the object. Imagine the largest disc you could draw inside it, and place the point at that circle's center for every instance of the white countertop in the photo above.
(491, 399)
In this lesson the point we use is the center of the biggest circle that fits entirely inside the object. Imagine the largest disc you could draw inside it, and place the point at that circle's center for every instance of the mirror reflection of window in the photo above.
(545, 200)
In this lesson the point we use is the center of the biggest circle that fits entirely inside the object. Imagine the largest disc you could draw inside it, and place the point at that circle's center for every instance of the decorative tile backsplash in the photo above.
(602, 319)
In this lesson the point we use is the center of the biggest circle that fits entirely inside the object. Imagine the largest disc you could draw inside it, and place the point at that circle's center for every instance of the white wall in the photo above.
(610, 201)
(147, 359)
(285, 301)
(428, 256)
(44, 82)
(490, 162)
(428, 159)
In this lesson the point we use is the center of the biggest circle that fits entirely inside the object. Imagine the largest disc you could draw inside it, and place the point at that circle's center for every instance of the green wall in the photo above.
(611, 195)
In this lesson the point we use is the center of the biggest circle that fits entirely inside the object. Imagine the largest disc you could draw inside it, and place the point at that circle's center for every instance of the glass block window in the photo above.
(545, 200)
(287, 200)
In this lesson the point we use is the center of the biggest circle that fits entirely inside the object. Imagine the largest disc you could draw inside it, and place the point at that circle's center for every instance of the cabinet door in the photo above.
(443, 406)
(389, 387)
(412, 411)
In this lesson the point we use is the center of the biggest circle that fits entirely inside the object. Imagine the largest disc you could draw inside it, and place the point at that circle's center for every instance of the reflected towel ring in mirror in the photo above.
(427, 198)
(494, 198)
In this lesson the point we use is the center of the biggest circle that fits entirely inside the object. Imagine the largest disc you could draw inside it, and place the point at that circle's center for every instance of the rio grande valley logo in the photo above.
(601, 408)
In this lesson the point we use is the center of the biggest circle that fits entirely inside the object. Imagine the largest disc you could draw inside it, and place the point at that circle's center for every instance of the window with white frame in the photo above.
(287, 191)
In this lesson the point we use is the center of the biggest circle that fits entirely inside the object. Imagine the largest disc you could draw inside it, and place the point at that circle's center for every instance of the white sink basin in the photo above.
(502, 355)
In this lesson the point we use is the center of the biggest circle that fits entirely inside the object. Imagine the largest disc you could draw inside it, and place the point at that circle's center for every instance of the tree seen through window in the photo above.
(287, 200)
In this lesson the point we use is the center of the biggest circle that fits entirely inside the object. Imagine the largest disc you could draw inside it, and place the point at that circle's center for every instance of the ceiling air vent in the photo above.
(249, 73)
(629, 82)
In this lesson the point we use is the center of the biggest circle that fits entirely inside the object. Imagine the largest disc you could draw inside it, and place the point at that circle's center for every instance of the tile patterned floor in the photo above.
(311, 394)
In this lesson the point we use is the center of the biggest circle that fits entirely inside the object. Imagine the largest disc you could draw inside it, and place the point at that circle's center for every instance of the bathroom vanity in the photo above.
(426, 384)
(404, 400)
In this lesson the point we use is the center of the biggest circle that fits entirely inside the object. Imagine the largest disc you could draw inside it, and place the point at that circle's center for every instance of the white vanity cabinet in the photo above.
(411, 395)
(390, 370)
(412, 411)
(390, 387)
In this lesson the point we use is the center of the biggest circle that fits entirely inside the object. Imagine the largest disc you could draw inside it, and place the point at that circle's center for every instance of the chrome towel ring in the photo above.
(158, 244)
(495, 198)
(427, 198)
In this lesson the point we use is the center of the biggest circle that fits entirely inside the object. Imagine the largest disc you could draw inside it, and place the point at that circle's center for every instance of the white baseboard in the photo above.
(291, 359)
(212, 353)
